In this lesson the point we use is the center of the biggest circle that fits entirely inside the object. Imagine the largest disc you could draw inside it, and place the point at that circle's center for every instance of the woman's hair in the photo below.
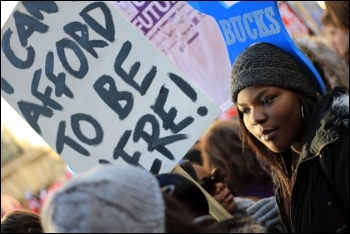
(188, 167)
(326, 18)
(179, 218)
(222, 147)
(339, 11)
(21, 221)
(194, 154)
(186, 192)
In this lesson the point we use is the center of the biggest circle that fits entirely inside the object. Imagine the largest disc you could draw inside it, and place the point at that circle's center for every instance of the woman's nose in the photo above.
(219, 187)
(257, 116)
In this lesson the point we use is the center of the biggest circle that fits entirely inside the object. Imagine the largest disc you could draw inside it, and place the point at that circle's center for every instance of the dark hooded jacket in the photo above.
(320, 195)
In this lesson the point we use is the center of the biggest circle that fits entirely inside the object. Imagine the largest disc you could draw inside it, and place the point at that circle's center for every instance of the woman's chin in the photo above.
(230, 207)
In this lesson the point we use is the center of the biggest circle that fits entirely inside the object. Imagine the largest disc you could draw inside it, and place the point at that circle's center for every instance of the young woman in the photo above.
(303, 137)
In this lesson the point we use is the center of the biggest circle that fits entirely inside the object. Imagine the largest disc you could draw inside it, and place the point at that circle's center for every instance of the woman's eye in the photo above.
(245, 111)
(266, 101)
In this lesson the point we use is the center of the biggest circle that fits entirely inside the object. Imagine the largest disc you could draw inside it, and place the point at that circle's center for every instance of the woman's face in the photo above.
(273, 115)
(340, 41)
(222, 194)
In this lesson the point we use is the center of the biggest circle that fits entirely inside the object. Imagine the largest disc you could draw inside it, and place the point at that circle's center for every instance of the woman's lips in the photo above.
(267, 134)
(228, 198)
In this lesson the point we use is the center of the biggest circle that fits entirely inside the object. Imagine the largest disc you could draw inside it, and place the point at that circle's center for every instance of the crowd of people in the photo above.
(280, 165)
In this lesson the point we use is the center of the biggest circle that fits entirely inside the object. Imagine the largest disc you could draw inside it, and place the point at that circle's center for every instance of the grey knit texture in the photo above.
(107, 199)
(265, 64)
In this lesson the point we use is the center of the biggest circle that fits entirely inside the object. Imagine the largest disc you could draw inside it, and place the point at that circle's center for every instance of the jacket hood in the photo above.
(340, 109)
(330, 116)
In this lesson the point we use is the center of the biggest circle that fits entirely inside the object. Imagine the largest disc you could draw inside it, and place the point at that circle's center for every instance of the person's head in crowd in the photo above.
(9, 204)
(185, 191)
(107, 198)
(114, 198)
(339, 13)
(222, 147)
(180, 219)
(292, 128)
(328, 29)
(214, 183)
(332, 68)
(21, 221)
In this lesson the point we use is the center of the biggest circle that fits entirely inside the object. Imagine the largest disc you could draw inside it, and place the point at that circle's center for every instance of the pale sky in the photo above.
(6, 10)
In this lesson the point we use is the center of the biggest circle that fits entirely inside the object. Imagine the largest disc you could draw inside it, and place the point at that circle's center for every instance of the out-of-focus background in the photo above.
(30, 168)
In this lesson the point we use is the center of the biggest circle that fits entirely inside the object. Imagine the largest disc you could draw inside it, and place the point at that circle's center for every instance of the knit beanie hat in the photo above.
(267, 65)
(107, 199)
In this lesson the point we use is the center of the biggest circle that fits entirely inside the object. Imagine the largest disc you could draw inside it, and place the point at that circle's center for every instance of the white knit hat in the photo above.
(109, 199)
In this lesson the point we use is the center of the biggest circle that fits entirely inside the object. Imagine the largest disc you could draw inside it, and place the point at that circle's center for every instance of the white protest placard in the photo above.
(96, 89)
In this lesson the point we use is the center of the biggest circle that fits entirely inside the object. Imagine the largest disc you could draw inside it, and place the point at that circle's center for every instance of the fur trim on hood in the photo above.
(244, 224)
(340, 107)
(336, 117)
(332, 68)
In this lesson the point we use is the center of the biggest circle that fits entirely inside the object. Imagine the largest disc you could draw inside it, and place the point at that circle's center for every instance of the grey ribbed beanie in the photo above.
(268, 65)
(107, 199)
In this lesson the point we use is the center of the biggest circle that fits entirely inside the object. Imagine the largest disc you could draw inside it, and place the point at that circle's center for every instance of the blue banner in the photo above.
(247, 22)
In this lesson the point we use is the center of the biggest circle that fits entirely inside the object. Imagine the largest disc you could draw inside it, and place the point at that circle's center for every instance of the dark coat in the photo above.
(320, 195)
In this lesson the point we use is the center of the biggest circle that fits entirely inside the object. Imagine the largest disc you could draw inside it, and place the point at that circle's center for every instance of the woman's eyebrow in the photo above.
(254, 99)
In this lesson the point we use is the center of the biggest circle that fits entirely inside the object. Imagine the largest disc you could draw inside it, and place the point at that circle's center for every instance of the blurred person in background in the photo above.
(185, 191)
(115, 199)
(263, 212)
(332, 68)
(9, 204)
(21, 221)
(339, 13)
(246, 175)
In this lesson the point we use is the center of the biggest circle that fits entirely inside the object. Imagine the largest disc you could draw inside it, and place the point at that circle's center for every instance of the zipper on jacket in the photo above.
(291, 195)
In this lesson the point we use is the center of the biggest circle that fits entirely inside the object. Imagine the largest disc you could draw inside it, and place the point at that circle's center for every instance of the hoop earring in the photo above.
(302, 113)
